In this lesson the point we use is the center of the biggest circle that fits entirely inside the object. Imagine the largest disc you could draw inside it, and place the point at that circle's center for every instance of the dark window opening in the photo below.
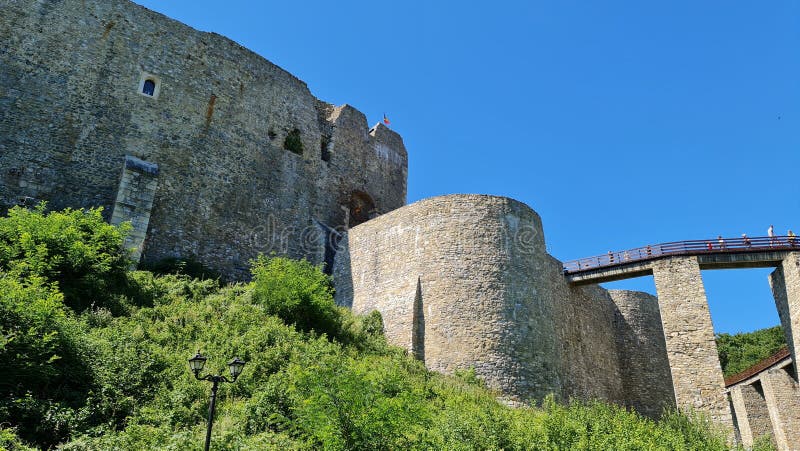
(325, 149)
(362, 208)
(149, 87)
(759, 389)
(293, 143)
(792, 370)
(332, 238)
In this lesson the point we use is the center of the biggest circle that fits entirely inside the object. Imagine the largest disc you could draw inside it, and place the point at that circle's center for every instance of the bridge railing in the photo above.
(693, 247)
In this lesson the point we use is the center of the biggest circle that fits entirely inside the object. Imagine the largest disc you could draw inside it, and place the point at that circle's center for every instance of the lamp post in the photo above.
(196, 364)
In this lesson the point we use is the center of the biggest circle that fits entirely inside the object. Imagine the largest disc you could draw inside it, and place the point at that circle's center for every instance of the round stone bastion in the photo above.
(458, 281)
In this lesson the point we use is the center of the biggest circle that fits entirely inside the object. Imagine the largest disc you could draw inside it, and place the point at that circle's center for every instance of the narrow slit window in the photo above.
(325, 148)
(149, 87)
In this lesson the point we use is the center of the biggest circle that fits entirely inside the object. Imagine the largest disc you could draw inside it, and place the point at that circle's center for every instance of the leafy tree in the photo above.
(76, 249)
(46, 373)
(741, 351)
(297, 292)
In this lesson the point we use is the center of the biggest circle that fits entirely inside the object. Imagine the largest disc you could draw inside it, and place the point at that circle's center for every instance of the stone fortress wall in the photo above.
(464, 281)
(646, 379)
(214, 153)
(225, 187)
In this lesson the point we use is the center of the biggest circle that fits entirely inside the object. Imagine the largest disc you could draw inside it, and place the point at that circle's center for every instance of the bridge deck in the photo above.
(717, 253)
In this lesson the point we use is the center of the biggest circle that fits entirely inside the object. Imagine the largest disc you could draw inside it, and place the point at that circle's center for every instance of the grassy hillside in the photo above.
(741, 351)
(95, 358)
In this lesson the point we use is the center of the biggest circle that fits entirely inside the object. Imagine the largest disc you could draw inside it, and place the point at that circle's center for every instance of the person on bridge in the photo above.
(746, 240)
(721, 242)
(791, 236)
(771, 235)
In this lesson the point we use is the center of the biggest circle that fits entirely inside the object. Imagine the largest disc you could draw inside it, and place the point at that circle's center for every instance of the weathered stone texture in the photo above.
(249, 161)
(470, 262)
(785, 283)
(137, 188)
(751, 413)
(689, 335)
(464, 281)
(71, 108)
(588, 358)
(783, 402)
(644, 367)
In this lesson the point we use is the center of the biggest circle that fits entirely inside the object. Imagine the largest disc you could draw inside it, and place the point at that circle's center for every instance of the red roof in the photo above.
(758, 367)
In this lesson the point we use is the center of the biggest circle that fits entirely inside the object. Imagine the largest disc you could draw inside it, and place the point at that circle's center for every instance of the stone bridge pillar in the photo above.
(781, 395)
(785, 283)
(752, 415)
(691, 349)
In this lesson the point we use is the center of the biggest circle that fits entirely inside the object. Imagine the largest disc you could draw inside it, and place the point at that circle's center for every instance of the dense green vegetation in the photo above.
(741, 351)
(74, 249)
(95, 358)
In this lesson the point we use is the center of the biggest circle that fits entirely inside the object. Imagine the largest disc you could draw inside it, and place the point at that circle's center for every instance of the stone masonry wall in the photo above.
(137, 188)
(785, 283)
(470, 260)
(588, 356)
(689, 335)
(752, 415)
(464, 281)
(71, 108)
(644, 366)
(783, 401)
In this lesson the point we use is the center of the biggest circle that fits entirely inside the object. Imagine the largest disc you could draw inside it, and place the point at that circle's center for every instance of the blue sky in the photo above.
(620, 123)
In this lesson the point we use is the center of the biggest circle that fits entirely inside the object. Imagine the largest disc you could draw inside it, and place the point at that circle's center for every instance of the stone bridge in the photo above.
(691, 349)
(464, 281)
(763, 399)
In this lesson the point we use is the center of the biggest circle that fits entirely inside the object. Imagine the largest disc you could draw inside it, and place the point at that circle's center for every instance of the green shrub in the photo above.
(10, 442)
(373, 402)
(293, 142)
(303, 391)
(183, 266)
(46, 364)
(298, 293)
(76, 249)
(596, 425)
(317, 376)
